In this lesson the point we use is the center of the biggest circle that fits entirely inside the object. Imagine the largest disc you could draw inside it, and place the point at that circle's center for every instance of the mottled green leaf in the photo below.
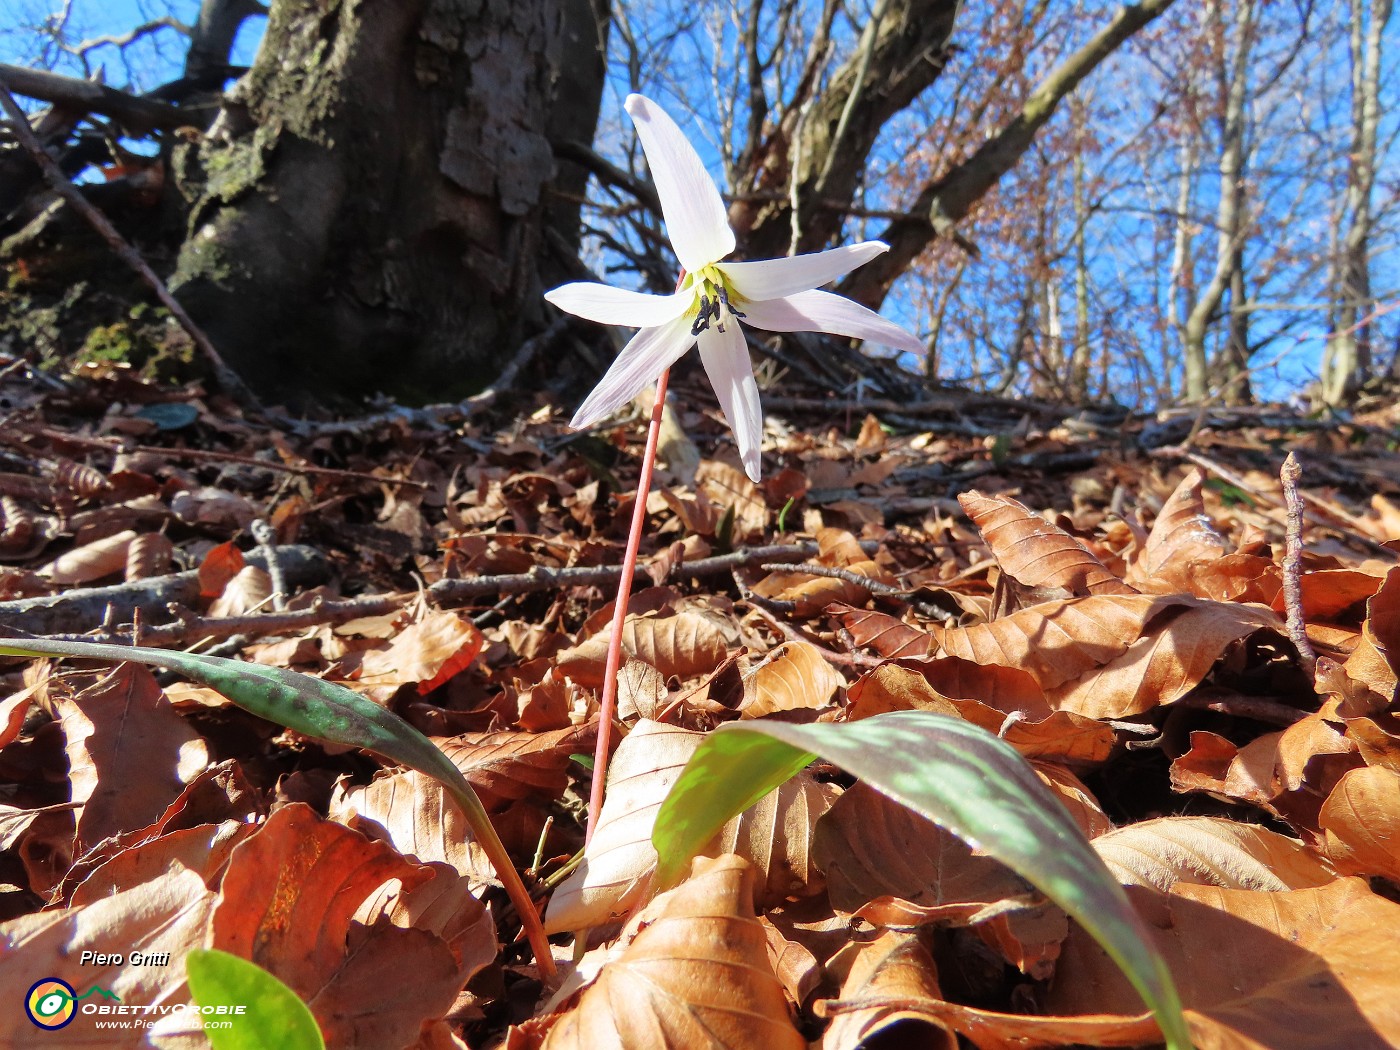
(950, 771)
(272, 1014)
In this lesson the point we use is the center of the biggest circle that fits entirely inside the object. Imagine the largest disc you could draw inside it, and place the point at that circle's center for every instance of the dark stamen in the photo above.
(702, 319)
(724, 298)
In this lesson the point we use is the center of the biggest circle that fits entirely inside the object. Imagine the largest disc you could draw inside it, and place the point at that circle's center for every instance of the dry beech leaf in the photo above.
(1361, 822)
(168, 914)
(412, 813)
(204, 850)
(872, 848)
(1181, 536)
(425, 654)
(1210, 851)
(794, 677)
(641, 691)
(1076, 797)
(812, 594)
(797, 968)
(697, 975)
(443, 906)
(287, 902)
(1329, 592)
(775, 835)
(92, 561)
(887, 635)
(1060, 641)
(150, 554)
(1036, 553)
(1301, 969)
(895, 968)
(129, 753)
(509, 764)
(728, 488)
(249, 590)
(220, 564)
(679, 646)
(891, 687)
(619, 860)
(1383, 617)
(1166, 662)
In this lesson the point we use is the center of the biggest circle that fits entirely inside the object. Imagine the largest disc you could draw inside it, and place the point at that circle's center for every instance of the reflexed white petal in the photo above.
(775, 278)
(696, 220)
(825, 312)
(726, 359)
(608, 305)
(651, 352)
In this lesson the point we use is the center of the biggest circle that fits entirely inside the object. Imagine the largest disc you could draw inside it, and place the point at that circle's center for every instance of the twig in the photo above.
(227, 379)
(267, 543)
(831, 572)
(136, 115)
(1293, 565)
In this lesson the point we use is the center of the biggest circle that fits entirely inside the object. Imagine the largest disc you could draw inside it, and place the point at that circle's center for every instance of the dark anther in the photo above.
(702, 319)
(724, 298)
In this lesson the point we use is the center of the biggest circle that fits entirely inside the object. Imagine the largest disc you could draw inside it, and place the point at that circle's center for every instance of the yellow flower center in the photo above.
(712, 299)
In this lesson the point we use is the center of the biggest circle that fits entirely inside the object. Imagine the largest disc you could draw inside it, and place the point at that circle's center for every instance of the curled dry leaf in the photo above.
(1181, 537)
(92, 561)
(887, 635)
(795, 676)
(1036, 553)
(1361, 822)
(150, 554)
(246, 592)
(895, 968)
(509, 765)
(678, 646)
(1172, 656)
(1075, 796)
(168, 914)
(287, 902)
(1057, 642)
(1210, 851)
(1296, 969)
(697, 975)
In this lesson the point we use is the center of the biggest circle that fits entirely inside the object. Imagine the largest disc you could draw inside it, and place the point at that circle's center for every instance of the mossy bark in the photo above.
(370, 211)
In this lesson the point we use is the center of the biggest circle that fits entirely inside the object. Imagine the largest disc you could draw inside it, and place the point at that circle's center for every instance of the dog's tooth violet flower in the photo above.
(776, 295)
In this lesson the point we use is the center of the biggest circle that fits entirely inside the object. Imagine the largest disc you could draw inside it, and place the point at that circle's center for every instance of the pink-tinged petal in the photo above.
(651, 352)
(608, 305)
(696, 219)
(825, 312)
(726, 359)
(775, 278)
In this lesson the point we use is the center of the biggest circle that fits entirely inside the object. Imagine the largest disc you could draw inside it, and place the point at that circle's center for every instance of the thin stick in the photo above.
(1293, 564)
(226, 377)
(608, 704)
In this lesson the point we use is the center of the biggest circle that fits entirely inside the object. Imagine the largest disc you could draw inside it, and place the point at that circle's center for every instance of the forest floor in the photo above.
(1104, 591)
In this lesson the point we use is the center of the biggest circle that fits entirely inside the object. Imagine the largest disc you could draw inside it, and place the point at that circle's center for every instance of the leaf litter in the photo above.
(1121, 623)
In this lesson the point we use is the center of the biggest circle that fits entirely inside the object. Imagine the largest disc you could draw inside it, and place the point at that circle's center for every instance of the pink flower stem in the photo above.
(607, 706)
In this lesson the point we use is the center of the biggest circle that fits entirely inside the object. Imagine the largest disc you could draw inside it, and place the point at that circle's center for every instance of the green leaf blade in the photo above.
(273, 1014)
(955, 774)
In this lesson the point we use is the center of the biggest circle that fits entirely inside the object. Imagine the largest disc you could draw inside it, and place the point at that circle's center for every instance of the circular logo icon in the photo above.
(50, 1003)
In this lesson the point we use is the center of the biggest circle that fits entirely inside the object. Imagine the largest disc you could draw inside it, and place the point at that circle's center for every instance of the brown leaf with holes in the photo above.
(696, 975)
(287, 903)
(1036, 553)
(794, 677)
(895, 968)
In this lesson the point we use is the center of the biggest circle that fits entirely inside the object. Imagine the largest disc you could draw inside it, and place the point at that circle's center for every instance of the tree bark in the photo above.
(1347, 361)
(947, 200)
(372, 208)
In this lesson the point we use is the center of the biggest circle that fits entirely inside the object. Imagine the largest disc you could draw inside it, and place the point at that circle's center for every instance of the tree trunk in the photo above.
(1230, 213)
(943, 203)
(372, 209)
(1347, 360)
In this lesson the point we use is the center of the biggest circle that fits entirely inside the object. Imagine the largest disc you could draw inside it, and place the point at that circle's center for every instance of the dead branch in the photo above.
(138, 116)
(1293, 565)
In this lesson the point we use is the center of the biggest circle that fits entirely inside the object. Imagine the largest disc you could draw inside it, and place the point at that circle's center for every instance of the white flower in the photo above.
(776, 295)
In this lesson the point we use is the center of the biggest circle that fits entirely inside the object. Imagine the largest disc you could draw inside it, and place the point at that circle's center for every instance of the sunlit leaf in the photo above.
(951, 772)
(273, 1014)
